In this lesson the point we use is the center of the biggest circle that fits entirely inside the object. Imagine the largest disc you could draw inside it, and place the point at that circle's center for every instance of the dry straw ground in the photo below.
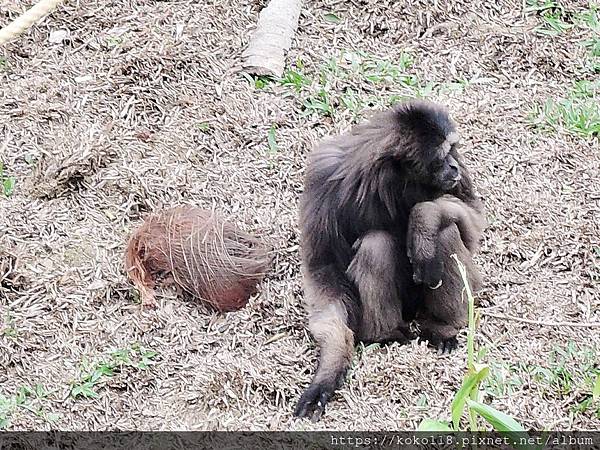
(138, 104)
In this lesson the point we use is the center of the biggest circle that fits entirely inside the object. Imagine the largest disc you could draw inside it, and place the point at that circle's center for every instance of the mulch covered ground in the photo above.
(141, 105)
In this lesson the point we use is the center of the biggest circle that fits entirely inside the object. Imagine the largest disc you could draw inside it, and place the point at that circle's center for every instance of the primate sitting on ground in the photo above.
(384, 208)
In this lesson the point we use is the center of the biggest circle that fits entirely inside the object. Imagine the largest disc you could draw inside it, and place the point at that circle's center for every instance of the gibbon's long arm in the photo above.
(428, 218)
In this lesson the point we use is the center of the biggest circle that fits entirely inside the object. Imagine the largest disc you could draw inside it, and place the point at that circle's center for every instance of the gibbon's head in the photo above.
(430, 142)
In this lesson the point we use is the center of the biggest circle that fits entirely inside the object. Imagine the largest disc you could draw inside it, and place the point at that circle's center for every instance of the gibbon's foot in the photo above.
(447, 346)
(312, 402)
(443, 346)
(403, 335)
(428, 272)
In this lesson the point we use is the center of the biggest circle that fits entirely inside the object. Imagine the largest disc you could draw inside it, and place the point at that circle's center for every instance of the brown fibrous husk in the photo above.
(194, 249)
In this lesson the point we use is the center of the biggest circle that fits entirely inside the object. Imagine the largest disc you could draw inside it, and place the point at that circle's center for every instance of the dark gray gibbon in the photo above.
(384, 208)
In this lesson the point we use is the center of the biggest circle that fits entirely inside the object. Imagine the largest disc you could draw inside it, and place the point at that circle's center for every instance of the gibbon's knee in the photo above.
(375, 271)
(374, 258)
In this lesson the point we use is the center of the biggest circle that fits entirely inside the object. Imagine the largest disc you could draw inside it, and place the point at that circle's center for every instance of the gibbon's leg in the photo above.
(445, 308)
(377, 271)
(338, 318)
(331, 306)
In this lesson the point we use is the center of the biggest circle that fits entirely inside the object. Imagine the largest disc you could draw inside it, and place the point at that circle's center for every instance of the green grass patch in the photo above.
(571, 372)
(113, 41)
(204, 127)
(259, 82)
(320, 103)
(556, 19)
(503, 380)
(9, 329)
(576, 114)
(347, 82)
(97, 375)
(350, 84)
(589, 19)
(594, 46)
(570, 367)
(552, 15)
(294, 79)
(353, 82)
(552, 24)
(29, 399)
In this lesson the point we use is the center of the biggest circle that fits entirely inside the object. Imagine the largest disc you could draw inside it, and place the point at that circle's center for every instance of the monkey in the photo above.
(384, 207)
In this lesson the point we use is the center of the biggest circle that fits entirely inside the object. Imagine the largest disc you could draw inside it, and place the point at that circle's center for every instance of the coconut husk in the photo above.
(195, 250)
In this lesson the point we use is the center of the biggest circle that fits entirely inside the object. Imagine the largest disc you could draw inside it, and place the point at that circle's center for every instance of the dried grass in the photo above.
(154, 71)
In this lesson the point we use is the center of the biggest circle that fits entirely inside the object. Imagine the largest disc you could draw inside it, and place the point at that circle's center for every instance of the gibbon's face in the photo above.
(444, 169)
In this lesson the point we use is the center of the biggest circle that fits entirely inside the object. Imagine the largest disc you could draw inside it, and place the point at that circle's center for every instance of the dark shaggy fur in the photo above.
(384, 207)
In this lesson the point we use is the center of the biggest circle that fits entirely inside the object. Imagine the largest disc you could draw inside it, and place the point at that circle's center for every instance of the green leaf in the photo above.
(470, 383)
(100, 370)
(76, 391)
(261, 82)
(84, 390)
(8, 186)
(434, 425)
(149, 354)
(331, 17)
(499, 420)
(271, 139)
(88, 392)
(319, 103)
(40, 391)
(534, 5)
(204, 126)
(427, 90)
(504, 424)
(121, 357)
(22, 394)
(596, 391)
(52, 417)
(5, 404)
(422, 401)
(294, 79)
